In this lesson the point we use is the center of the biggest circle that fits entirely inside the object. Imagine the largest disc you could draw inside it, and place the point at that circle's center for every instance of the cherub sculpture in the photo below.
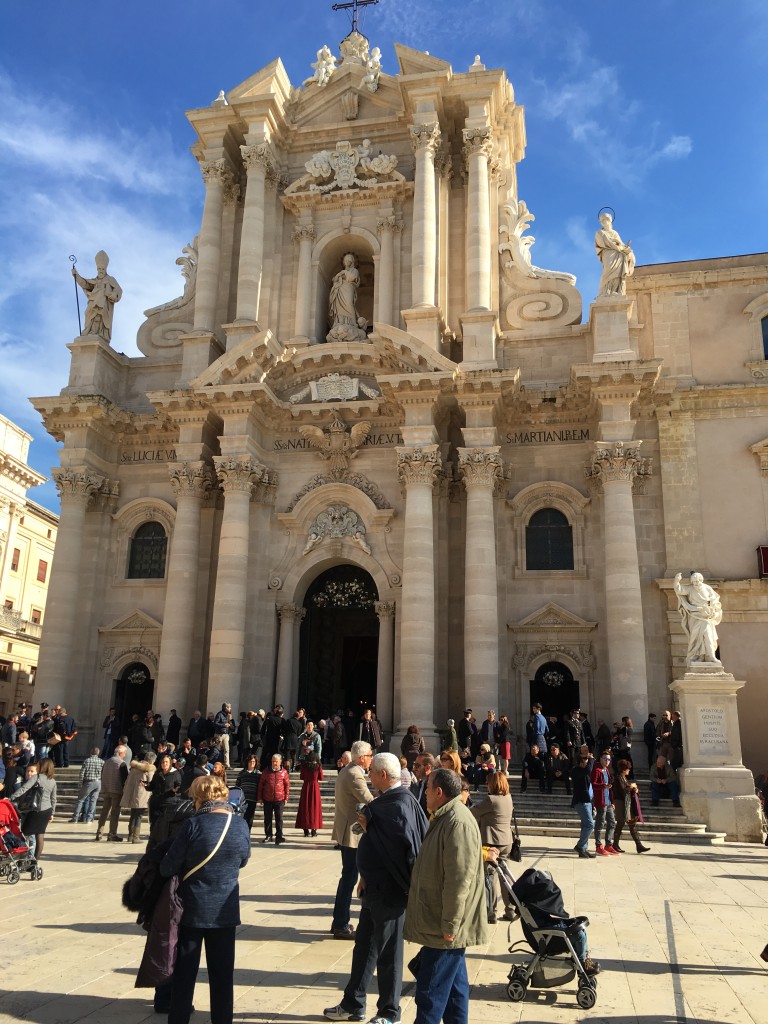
(323, 67)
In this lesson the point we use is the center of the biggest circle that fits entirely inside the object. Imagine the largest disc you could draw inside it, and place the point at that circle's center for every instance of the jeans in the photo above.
(220, 959)
(379, 947)
(442, 988)
(86, 800)
(578, 939)
(61, 754)
(271, 807)
(584, 812)
(605, 818)
(672, 789)
(345, 888)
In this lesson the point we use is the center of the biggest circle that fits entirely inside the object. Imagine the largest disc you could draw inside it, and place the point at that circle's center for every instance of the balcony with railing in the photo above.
(12, 622)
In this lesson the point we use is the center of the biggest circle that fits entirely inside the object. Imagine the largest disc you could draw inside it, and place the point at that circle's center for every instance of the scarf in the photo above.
(213, 805)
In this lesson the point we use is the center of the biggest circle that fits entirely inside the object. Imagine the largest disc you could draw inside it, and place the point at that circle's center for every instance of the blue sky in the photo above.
(656, 109)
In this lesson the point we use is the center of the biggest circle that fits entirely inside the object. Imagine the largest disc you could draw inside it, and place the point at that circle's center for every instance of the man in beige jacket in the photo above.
(351, 790)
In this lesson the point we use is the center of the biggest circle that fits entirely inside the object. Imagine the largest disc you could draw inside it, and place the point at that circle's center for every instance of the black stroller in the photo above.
(549, 932)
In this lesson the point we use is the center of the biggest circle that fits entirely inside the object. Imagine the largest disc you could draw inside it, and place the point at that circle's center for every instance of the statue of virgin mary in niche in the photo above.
(346, 324)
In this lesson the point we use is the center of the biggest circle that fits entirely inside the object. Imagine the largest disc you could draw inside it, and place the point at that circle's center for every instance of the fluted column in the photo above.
(477, 150)
(385, 610)
(258, 160)
(480, 468)
(615, 466)
(286, 686)
(237, 476)
(15, 512)
(304, 234)
(216, 176)
(387, 227)
(425, 139)
(418, 468)
(54, 679)
(191, 481)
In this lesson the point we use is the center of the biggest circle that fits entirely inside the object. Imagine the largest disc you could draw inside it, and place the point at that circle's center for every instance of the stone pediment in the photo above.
(346, 99)
(270, 81)
(132, 622)
(417, 62)
(552, 617)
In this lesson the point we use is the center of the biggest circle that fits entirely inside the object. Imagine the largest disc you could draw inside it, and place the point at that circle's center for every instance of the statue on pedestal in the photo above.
(701, 611)
(102, 292)
(346, 324)
(617, 259)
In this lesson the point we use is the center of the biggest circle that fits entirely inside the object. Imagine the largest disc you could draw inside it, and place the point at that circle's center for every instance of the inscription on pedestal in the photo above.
(713, 731)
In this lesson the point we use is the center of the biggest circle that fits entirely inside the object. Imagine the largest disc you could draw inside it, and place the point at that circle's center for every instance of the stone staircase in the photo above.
(538, 814)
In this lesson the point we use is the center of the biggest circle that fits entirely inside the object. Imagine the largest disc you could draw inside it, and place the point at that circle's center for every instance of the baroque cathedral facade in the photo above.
(374, 456)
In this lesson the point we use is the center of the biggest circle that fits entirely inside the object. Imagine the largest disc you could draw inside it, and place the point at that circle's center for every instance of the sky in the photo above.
(655, 109)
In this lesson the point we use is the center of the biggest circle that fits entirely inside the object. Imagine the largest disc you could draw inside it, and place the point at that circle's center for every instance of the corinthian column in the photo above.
(216, 177)
(386, 662)
(305, 236)
(286, 685)
(480, 468)
(54, 680)
(237, 476)
(615, 466)
(418, 469)
(477, 150)
(258, 160)
(425, 139)
(190, 481)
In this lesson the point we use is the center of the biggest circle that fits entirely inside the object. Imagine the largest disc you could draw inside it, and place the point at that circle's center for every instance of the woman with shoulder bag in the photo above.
(494, 816)
(40, 810)
(207, 853)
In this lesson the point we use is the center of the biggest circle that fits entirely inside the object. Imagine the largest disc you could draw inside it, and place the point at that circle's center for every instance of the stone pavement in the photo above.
(678, 932)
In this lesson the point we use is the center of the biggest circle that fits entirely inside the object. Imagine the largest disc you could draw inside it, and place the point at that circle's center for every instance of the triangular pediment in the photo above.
(271, 80)
(552, 616)
(345, 101)
(135, 620)
(418, 62)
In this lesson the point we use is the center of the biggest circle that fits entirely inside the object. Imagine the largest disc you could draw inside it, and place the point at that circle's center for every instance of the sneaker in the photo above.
(601, 851)
(267, 839)
(612, 849)
(591, 967)
(339, 1013)
(382, 1020)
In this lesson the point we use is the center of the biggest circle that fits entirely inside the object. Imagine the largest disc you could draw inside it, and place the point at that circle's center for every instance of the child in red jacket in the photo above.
(274, 790)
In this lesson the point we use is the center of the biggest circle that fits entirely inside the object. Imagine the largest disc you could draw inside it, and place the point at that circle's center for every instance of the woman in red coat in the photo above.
(310, 813)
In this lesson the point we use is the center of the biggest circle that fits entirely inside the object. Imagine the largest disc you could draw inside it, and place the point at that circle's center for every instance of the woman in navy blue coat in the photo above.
(207, 854)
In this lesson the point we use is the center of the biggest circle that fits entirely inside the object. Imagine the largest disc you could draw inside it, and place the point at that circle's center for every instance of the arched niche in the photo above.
(327, 258)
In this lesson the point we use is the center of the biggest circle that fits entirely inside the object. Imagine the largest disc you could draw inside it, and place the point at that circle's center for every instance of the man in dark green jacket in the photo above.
(446, 903)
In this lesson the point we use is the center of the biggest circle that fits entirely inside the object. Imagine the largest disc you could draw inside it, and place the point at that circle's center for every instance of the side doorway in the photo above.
(555, 689)
(134, 691)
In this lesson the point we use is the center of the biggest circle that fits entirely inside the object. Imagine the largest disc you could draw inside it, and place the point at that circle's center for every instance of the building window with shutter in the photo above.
(548, 541)
(15, 560)
(42, 571)
(148, 551)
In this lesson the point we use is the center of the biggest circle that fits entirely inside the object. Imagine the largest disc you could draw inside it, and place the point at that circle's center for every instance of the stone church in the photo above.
(375, 456)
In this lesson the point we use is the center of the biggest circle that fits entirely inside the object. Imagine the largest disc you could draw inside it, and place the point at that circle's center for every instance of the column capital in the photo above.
(258, 155)
(477, 140)
(190, 479)
(391, 224)
(612, 461)
(290, 613)
(216, 172)
(384, 609)
(76, 484)
(231, 192)
(419, 465)
(304, 232)
(480, 467)
(237, 473)
(425, 136)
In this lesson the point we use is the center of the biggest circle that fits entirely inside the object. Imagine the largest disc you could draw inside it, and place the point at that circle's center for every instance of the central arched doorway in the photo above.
(133, 693)
(339, 642)
(555, 689)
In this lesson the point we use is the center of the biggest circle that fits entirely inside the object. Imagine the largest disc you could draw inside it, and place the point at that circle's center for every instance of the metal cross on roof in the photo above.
(354, 6)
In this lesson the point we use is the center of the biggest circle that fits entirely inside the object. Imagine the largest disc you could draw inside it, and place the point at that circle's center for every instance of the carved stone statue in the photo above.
(336, 444)
(701, 612)
(323, 67)
(373, 70)
(346, 323)
(617, 258)
(102, 293)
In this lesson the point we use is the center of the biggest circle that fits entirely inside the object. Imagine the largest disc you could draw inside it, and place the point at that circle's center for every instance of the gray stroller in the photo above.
(553, 936)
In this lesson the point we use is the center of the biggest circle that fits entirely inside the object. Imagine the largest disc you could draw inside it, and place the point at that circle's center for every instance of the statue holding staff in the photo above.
(617, 258)
(102, 293)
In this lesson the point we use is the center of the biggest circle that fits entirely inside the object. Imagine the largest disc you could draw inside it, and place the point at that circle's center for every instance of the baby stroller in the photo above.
(552, 935)
(15, 855)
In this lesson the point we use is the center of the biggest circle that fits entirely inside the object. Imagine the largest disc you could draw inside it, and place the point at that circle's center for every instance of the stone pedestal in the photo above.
(716, 787)
(425, 324)
(609, 320)
(479, 331)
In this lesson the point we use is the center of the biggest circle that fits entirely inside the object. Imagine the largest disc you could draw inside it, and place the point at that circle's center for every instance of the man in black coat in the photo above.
(196, 730)
(173, 732)
(66, 727)
(271, 735)
(394, 827)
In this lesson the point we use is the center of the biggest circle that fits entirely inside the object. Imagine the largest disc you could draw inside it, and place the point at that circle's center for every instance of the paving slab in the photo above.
(678, 932)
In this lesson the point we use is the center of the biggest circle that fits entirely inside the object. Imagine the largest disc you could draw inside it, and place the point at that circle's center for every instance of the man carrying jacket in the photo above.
(393, 829)
(446, 903)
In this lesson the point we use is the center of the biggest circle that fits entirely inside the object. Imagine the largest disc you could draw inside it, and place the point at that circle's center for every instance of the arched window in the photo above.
(764, 326)
(149, 545)
(548, 541)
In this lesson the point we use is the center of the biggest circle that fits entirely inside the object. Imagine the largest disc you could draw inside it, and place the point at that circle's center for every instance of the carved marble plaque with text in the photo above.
(713, 731)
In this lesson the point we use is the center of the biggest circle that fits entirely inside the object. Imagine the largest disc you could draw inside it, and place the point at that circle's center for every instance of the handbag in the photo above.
(516, 850)
(32, 799)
